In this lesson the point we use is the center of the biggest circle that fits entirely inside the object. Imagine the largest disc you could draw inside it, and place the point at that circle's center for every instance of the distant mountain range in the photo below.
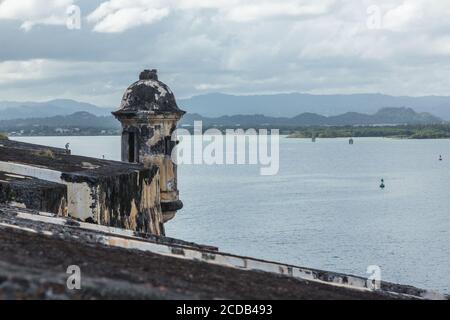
(87, 123)
(385, 116)
(290, 105)
(275, 105)
(79, 119)
(23, 110)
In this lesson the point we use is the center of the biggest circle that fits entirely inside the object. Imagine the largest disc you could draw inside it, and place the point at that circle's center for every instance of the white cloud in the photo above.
(34, 12)
(406, 16)
(209, 86)
(120, 15)
(400, 17)
(47, 69)
(235, 46)
(12, 71)
(45, 79)
(270, 9)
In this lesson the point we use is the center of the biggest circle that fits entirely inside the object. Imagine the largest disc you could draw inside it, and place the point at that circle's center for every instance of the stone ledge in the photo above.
(191, 272)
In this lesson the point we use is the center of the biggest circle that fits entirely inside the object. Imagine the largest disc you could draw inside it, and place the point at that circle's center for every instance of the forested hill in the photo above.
(84, 121)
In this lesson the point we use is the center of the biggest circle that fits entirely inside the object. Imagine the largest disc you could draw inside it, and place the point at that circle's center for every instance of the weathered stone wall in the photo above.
(161, 265)
(129, 200)
(153, 145)
(97, 191)
(33, 193)
(32, 147)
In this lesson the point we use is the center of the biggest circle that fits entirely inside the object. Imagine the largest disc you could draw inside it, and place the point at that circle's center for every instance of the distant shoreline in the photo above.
(287, 136)
(68, 135)
(416, 132)
(396, 132)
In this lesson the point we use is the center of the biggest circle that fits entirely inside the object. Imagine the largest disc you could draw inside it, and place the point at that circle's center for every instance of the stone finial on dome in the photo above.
(149, 75)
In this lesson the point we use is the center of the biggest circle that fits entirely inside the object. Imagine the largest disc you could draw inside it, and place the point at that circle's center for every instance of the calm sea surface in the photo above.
(324, 209)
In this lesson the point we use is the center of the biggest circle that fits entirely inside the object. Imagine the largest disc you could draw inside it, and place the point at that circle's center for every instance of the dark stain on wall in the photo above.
(33, 193)
(122, 195)
(125, 199)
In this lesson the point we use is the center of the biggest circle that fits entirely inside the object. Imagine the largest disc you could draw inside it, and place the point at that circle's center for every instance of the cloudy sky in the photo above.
(398, 47)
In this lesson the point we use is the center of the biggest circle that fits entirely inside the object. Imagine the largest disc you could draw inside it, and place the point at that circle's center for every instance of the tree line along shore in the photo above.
(441, 131)
(400, 132)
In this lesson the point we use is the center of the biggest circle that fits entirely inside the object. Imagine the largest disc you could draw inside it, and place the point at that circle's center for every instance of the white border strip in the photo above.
(32, 171)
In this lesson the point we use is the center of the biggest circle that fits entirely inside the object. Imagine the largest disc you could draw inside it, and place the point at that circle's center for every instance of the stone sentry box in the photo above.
(149, 115)
(109, 193)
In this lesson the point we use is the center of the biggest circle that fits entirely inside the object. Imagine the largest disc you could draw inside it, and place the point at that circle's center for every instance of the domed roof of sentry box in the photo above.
(148, 95)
